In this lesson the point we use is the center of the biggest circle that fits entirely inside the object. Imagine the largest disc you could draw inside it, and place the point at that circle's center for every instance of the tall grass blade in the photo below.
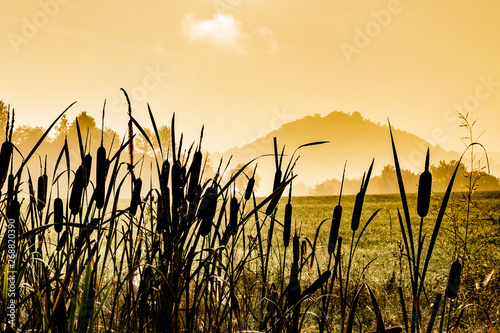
(39, 142)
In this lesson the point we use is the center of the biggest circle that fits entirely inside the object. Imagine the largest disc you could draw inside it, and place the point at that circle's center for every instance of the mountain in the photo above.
(351, 137)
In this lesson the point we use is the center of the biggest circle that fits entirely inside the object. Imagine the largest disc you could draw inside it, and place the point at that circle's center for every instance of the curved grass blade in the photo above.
(39, 142)
(376, 310)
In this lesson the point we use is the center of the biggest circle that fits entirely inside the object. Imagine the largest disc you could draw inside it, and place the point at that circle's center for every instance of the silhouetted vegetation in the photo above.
(194, 250)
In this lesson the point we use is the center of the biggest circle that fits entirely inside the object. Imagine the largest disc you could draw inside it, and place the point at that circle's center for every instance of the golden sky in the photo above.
(245, 67)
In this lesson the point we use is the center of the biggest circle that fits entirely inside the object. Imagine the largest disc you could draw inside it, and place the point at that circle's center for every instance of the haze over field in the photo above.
(245, 68)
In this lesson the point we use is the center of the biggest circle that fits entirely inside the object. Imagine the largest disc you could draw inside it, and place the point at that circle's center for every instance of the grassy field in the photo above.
(379, 259)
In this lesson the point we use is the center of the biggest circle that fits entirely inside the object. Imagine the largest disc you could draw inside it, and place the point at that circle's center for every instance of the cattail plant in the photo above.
(87, 163)
(424, 189)
(336, 219)
(6, 151)
(101, 168)
(453, 280)
(194, 175)
(206, 210)
(177, 184)
(294, 296)
(277, 180)
(234, 207)
(10, 188)
(136, 196)
(58, 214)
(165, 169)
(287, 225)
(360, 197)
(5, 156)
(417, 276)
(250, 185)
(77, 190)
(42, 188)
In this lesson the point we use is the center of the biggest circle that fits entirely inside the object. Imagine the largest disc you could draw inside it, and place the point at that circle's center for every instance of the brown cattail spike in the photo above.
(58, 214)
(177, 184)
(194, 175)
(234, 207)
(5, 156)
(288, 224)
(165, 169)
(424, 189)
(87, 162)
(249, 189)
(360, 197)
(454, 280)
(206, 210)
(334, 231)
(77, 191)
(136, 196)
(356, 213)
(100, 177)
(10, 188)
(42, 192)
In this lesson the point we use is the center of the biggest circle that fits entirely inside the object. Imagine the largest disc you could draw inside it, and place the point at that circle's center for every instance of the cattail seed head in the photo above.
(100, 177)
(288, 224)
(58, 214)
(424, 190)
(165, 169)
(5, 156)
(177, 184)
(136, 196)
(42, 192)
(87, 162)
(356, 213)
(334, 231)
(454, 280)
(194, 175)
(206, 210)
(10, 188)
(277, 179)
(249, 189)
(13, 212)
(234, 207)
(77, 190)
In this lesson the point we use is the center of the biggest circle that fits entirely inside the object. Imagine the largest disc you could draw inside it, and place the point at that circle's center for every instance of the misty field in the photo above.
(379, 260)
(91, 245)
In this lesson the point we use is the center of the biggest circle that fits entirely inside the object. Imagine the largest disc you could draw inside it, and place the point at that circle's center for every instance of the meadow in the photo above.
(187, 253)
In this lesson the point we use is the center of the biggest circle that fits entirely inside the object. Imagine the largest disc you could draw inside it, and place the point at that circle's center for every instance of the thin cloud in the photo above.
(270, 38)
(222, 30)
(85, 36)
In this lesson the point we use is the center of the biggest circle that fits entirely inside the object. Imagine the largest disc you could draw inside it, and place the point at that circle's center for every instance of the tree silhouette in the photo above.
(4, 114)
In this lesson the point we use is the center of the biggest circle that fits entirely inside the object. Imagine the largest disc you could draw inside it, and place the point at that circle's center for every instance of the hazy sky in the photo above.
(245, 67)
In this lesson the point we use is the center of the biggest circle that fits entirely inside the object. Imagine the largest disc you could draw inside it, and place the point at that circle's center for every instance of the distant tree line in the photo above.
(386, 182)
